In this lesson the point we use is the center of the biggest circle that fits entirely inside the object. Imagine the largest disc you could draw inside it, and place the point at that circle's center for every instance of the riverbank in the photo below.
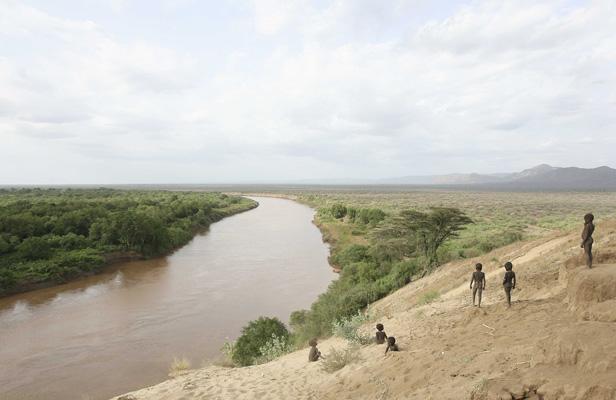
(74, 257)
(128, 323)
(450, 350)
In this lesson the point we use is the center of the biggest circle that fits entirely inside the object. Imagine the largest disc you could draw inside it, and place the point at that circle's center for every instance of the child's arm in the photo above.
(385, 334)
(514, 281)
(484, 282)
(472, 280)
(387, 349)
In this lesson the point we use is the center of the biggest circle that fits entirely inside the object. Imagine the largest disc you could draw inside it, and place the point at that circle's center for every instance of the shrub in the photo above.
(351, 254)
(273, 349)
(178, 366)
(338, 211)
(298, 318)
(338, 359)
(348, 328)
(254, 337)
(34, 248)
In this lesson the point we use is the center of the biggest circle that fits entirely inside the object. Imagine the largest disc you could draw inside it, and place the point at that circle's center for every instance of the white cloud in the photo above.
(346, 89)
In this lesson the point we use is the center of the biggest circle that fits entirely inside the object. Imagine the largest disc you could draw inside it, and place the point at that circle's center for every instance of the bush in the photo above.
(338, 211)
(298, 318)
(353, 253)
(371, 215)
(178, 366)
(338, 359)
(254, 337)
(273, 349)
(348, 328)
(34, 248)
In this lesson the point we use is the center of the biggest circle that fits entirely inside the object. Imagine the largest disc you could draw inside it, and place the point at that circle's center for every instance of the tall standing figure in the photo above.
(479, 280)
(587, 241)
(509, 281)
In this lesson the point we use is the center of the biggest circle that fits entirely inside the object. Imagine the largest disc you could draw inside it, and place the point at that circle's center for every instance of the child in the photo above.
(509, 281)
(587, 240)
(380, 334)
(314, 354)
(391, 344)
(479, 278)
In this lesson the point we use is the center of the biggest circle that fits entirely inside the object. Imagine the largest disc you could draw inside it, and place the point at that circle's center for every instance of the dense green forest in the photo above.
(53, 235)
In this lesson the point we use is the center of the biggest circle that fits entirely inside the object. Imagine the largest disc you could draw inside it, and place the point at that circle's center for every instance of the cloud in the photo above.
(337, 88)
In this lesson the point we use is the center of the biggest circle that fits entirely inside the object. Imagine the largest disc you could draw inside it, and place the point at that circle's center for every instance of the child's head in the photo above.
(478, 266)
(391, 340)
(508, 266)
(379, 327)
(312, 342)
(588, 218)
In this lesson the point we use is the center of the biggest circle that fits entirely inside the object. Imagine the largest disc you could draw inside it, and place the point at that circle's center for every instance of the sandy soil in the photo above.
(556, 342)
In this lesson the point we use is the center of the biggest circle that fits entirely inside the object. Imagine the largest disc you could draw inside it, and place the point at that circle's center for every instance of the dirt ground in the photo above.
(557, 341)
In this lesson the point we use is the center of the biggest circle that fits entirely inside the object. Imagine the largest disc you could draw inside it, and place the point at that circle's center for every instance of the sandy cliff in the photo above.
(556, 342)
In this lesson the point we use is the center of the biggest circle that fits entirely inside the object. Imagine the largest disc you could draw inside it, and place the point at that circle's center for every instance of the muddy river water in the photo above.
(119, 331)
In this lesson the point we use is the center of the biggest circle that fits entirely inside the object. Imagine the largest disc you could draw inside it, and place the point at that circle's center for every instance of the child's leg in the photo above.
(474, 294)
(588, 251)
(479, 291)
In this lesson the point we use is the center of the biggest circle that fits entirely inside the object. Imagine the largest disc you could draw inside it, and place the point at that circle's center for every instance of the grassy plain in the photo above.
(499, 218)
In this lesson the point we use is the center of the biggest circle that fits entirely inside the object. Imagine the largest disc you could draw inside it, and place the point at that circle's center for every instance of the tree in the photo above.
(428, 230)
(34, 248)
(339, 211)
(254, 337)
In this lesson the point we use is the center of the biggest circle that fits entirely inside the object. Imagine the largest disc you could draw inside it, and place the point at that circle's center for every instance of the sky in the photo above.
(181, 91)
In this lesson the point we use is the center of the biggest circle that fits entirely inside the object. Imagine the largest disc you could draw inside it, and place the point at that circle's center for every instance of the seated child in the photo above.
(380, 334)
(391, 344)
(314, 354)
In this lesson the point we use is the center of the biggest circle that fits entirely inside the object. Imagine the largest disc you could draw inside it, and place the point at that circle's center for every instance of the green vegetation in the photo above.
(381, 240)
(338, 359)
(258, 338)
(348, 328)
(389, 251)
(275, 347)
(53, 235)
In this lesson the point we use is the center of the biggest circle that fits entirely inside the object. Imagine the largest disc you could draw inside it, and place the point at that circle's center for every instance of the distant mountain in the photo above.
(541, 177)
(572, 178)
(535, 171)
(449, 179)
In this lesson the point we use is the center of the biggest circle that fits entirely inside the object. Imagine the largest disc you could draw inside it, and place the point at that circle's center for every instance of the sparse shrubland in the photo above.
(380, 243)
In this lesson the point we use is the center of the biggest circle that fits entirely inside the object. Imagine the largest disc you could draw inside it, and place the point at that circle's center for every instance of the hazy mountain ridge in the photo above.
(543, 176)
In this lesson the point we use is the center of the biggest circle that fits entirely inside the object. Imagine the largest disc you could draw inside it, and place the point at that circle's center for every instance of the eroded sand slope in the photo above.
(558, 341)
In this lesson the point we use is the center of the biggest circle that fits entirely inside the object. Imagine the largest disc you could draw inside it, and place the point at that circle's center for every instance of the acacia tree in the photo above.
(427, 231)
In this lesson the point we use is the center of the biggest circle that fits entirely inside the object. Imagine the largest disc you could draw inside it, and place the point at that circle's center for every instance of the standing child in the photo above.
(391, 344)
(479, 278)
(380, 334)
(587, 240)
(509, 281)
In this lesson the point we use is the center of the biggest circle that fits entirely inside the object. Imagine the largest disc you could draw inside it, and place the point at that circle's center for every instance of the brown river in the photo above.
(119, 331)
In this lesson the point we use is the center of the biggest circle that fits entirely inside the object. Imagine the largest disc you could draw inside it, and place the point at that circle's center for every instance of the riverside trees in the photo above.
(53, 235)
(398, 246)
